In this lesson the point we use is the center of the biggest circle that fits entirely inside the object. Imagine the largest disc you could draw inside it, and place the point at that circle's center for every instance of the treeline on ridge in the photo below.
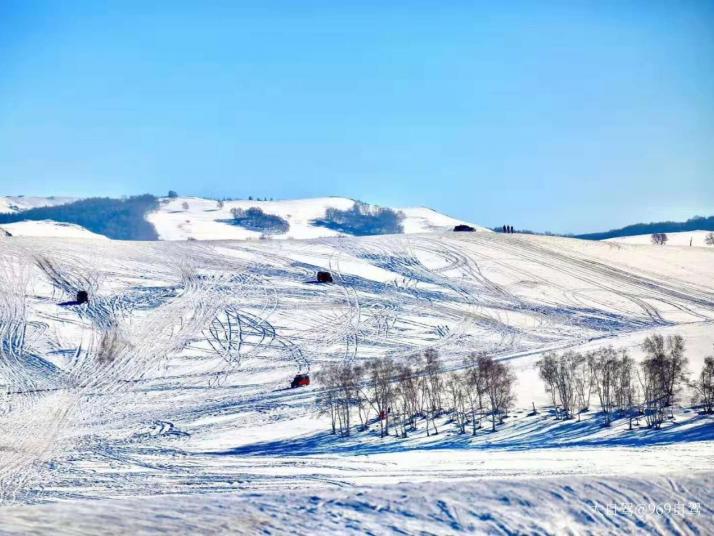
(697, 223)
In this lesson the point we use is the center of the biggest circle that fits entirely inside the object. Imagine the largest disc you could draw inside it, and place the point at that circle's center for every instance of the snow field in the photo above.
(173, 379)
(560, 505)
(49, 228)
(684, 238)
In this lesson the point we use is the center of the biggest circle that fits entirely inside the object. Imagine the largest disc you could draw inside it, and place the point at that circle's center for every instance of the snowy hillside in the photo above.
(685, 238)
(204, 219)
(167, 395)
(19, 203)
(49, 228)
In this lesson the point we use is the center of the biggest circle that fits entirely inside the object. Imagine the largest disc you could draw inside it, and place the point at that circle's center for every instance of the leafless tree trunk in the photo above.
(659, 239)
(626, 392)
(434, 386)
(475, 390)
(583, 384)
(704, 386)
(455, 386)
(560, 374)
(381, 373)
(603, 365)
(664, 368)
(499, 380)
(548, 370)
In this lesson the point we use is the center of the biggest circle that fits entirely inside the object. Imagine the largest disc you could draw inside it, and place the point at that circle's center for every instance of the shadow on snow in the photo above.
(540, 432)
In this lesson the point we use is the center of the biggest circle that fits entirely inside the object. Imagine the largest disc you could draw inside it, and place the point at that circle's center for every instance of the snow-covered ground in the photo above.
(204, 219)
(163, 403)
(685, 238)
(18, 203)
(49, 228)
(560, 505)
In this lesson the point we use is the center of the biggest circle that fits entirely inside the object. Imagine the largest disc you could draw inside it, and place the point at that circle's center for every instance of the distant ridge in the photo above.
(174, 217)
(187, 218)
(697, 223)
(119, 219)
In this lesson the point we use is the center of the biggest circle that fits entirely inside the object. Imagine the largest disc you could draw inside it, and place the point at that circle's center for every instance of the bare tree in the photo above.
(403, 416)
(626, 392)
(409, 392)
(704, 386)
(499, 381)
(340, 396)
(348, 390)
(568, 379)
(659, 239)
(327, 400)
(653, 405)
(380, 375)
(666, 358)
(604, 366)
(663, 371)
(456, 388)
(566, 382)
(433, 386)
(583, 382)
(362, 397)
(475, 391)
(548, 370)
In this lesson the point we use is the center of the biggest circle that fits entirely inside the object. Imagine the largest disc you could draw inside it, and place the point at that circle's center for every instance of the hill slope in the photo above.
(697, 223)
(184, 218)
(19, 203)
(685, 238)
(121, 219)
(48, 228)
(173, 378)
(204, 219)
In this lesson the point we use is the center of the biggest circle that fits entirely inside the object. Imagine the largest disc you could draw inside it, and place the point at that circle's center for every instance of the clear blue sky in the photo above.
(561, 116)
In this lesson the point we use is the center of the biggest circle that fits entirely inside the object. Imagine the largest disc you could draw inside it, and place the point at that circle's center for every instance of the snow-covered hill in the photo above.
(173, 380)
(18, 203)
(49, 228)
(194, 218)
(685, 238)
(204, 219)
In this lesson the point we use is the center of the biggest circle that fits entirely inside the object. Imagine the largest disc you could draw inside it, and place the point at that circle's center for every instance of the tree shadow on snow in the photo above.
(540, 432)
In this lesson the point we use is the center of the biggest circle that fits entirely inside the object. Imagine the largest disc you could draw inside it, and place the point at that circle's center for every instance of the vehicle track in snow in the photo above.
(183, 341)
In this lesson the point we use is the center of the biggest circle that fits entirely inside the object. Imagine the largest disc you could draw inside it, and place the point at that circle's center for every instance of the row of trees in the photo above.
(401, 395)
(622, 386)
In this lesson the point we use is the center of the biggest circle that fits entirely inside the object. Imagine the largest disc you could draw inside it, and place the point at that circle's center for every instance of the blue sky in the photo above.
(561, 116)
